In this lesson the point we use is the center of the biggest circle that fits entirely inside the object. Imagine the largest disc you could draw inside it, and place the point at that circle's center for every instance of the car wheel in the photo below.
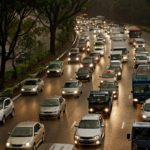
(3, 120)
(13, 113)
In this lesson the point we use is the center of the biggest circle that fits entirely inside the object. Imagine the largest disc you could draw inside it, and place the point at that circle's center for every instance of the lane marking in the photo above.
(73, 124)
(123, 124)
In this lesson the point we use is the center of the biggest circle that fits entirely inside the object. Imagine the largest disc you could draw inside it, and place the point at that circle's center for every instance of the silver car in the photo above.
(90, 130)
(26, 135)
(52, 106)
(145, 111)
(6, 108)
(62, 146)
(32, 86)
(72, 87)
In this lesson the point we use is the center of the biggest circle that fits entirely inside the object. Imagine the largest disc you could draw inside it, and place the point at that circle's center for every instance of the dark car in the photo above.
(82, 45)
(111, 87)
(95, 56)
(100, 102)
(73, 58)
(84, 74)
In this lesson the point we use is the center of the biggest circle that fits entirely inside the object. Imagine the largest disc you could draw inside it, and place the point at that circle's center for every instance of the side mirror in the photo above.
(128, 136)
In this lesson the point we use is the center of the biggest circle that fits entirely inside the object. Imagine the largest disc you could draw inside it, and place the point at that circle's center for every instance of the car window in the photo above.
(36, 127)
(7, 102)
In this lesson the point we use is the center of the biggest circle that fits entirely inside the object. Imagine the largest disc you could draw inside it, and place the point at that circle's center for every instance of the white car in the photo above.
(52, 106)
(26, 135)
(6, 108)
(90, 130)
(72, 87)
(62, 146)
(99, 47)
(32, 86)
(139, 42)
(146, 110)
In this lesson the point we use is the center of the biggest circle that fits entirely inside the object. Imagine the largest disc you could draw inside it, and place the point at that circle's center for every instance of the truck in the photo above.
(140, 87)
(140, 136)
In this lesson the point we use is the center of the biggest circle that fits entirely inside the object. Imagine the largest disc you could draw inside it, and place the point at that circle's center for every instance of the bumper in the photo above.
(87, 142)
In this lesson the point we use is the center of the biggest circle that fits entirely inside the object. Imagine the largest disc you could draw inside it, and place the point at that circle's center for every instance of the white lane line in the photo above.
(123, 124)
(73, 124)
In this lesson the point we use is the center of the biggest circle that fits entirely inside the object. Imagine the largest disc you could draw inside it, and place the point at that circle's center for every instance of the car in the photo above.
(143, 69)
(62, 146)
(72, 87)
(139, 42)
(32, 86)
(73, 58)
(84, 74)
(110, 86)
(145, 111)
(90, 130)
(6, 109)
(95, 56)
(88, 62)
(52, 107)
(26, 135)
(99, 47)
(82, 45)
(108, 75)
(100, 102)
(55, 68)
(73, 50)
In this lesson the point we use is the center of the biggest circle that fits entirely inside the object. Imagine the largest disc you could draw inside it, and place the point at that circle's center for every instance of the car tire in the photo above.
(13, 113)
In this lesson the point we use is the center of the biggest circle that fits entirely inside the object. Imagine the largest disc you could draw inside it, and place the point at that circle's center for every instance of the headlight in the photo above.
(144, 116)
(87, 76)
(77, 137)
(114, 92)
(81, 65)
(135, 100)
(22, 90)
(57, 70)
(91, 109)
(63, 92)
(119, 73)
(96, 58)
(125, 57)
(75, 92)
(27, 145)
(102, 81)
(48, 71)
(106, 110)
(91, 65)
(69, 59)
(7, 144)
(96, 137)
(34, 89)
(77, 58)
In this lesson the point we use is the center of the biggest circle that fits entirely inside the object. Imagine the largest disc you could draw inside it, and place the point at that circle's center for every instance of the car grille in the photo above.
(16, 145)
(86, 138)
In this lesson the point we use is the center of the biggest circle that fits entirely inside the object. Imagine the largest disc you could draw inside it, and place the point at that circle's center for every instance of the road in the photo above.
(62, 131)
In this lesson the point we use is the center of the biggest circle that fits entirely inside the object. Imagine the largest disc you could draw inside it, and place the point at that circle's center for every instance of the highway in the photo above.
(62, 131)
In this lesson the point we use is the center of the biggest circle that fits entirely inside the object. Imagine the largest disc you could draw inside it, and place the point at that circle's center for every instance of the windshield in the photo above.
(140, 133)
(141, 88)
(98, 44)
(71, 85)
(22, 132)
(51, 66)
(115, 57)
(140, 42)
(108, 75)
(108, 85)
(83, 71)
(30, 82)
(50, 102)
(73, 55)
(147, 107)
(98, 49)
(141, 57)
(93, 98)
(143, 69)
(89, 124)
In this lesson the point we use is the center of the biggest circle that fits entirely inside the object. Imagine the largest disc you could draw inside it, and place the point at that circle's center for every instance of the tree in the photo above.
(55, 12)
(12, 15)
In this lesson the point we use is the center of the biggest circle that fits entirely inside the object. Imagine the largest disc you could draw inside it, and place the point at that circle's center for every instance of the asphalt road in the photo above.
(62, 131)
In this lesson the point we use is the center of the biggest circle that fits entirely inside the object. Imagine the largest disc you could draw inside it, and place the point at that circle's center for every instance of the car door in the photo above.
(7, 107)
(37, 133)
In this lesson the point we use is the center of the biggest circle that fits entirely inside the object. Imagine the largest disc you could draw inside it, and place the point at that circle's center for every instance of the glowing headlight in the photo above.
(48, 71)
(77, 58)
(96, 137)
(75, 92)
(63, 92)
(91, 109)
(7, 144)
(125, 57)
(102, 81)
(81, 65)
(91, 65)
(69, 59)
(27, 145)
(114, 92)
(34, 89)
(144, 116)
(135, 100)
(58, 71)
(119, 73)
(106, 110)
(22, 90)
(76, 137)
(87, 76)
(96, 58)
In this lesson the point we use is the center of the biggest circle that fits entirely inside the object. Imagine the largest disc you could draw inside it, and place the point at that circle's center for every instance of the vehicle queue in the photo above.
(91, 127)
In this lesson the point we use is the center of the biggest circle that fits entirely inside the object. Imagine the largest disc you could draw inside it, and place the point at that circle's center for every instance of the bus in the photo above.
(134, 32)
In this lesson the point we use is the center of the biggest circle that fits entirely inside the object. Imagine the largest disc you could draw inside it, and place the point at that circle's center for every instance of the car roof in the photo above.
(91, 117)
(61, 146)
(26, 124)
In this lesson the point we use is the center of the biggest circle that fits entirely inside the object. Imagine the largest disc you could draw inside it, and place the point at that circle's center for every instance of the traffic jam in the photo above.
(107, 70)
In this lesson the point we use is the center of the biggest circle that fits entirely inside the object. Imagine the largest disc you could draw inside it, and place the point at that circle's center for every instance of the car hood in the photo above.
(49, 109)
(19, 140)
(88, 132)
(70, 89)
(29, 86)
